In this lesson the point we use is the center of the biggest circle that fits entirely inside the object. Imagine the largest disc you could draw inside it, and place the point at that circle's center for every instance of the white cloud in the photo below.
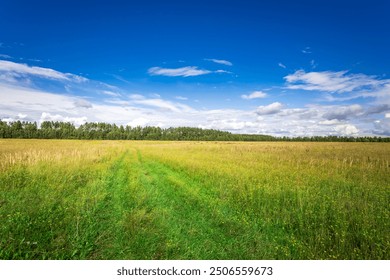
(330, 122)
(270, 109)
(229, 124)
(27, 102)
(138, 122)
(222, 71)
(77, 121)
(220, 61)
(18, 69)
(382, 127)
(117, 101)
(163, 105)
(110, 93)
(378, 109)
(22, 116)
(181, 97)
(343, 112)
(255, 94)
(187, 71)
(282, 65)
(347, 129)
(137, 96)
(271, 119)
(332, 81)
(82, 103)
(5, 56)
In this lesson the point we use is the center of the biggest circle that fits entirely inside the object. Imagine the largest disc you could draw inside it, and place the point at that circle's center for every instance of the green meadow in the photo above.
(79, 199)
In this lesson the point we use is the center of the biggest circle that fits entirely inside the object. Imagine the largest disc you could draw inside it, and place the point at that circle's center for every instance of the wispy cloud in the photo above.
(181, 98)
(34, 60)
(222, 71)
(282, 65)
(5, 56)
(220, 61)
(253, 95)
(120, 78)
(110, 93)
(136, 96)
(18, 69)
(187, 71)
(164, 105)
(331, 81)
(82, 103)
(155, 95)
(307, 50)
(313, 64)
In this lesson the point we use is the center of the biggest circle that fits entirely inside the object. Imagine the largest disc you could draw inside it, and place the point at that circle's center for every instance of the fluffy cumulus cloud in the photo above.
(75, 120)
(253, 95)
(138, 122)
(329, 81)
(347, 129)
(270, 109)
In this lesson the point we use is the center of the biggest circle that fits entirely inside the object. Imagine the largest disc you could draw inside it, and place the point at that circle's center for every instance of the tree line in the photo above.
(107, 131)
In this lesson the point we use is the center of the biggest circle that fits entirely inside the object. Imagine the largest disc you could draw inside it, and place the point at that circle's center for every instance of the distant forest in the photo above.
(106, 131)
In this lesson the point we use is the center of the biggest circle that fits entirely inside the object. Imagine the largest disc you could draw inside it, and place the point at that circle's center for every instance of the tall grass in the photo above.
(69, 199)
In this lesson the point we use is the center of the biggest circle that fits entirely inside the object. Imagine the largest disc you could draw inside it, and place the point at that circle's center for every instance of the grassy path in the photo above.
(153, 212)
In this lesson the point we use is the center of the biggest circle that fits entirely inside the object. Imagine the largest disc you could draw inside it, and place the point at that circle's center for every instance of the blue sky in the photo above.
(285, 68)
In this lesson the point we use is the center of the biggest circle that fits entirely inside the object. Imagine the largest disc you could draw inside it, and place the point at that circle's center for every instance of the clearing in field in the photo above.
(71, 199)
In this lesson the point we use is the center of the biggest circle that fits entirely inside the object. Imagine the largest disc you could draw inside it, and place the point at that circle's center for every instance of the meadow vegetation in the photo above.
(72, 199)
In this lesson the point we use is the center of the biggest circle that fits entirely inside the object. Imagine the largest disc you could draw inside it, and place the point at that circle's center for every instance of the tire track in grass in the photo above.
(151, 211)
(130, 228)
(117, 202)
(198, 223)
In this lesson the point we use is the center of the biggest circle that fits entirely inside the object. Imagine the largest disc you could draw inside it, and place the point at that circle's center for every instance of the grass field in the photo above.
(70, 199)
